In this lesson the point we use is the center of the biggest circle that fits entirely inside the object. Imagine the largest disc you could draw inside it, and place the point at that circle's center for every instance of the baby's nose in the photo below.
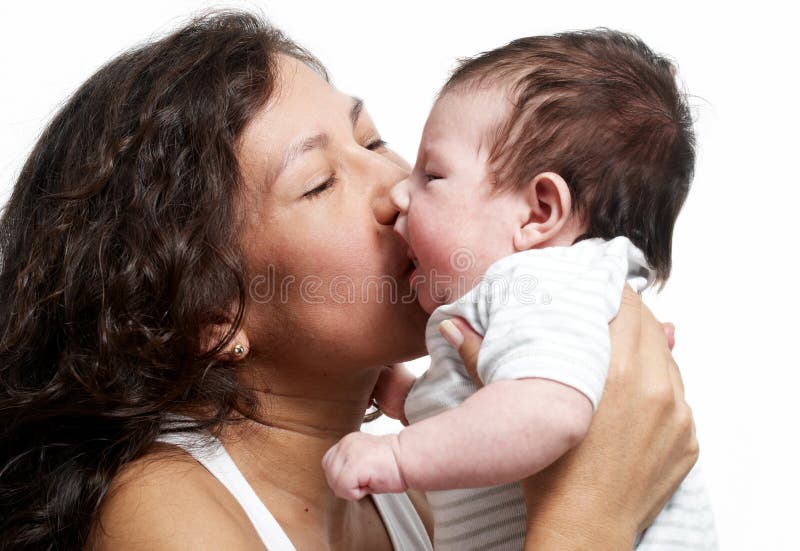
(399, 196)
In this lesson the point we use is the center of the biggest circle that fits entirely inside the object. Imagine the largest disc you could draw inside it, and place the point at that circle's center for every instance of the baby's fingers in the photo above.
(349, 484)
(332, 465)
(342, 477)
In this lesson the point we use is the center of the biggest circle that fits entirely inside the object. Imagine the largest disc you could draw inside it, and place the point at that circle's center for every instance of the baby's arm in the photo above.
(506, 431)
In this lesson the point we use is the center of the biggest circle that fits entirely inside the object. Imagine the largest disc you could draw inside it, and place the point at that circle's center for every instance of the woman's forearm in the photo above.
(544, 537)
(565, 516)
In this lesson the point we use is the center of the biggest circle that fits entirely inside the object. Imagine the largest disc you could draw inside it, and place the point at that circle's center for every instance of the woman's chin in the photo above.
(414, 341)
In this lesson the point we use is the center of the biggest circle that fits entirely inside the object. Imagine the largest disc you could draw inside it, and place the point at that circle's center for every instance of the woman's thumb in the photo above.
(466, 342)
(669, 329)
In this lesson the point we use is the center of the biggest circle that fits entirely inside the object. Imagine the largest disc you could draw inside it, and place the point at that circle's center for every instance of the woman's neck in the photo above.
(304, 414)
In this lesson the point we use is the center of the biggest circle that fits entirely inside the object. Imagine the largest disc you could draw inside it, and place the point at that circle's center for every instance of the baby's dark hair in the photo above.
(602, 110)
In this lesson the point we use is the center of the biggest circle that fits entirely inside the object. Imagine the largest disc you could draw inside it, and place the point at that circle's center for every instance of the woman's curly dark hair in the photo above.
(119, 247)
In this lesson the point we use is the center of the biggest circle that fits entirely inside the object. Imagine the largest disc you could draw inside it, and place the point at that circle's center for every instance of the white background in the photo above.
(733, 294)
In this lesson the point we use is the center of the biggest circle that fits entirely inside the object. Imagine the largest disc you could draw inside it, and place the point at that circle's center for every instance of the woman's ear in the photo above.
(549, 207)
(238, 347)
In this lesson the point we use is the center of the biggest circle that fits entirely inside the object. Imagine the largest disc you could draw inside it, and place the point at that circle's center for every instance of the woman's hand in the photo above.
(641, 443)
(393, 385)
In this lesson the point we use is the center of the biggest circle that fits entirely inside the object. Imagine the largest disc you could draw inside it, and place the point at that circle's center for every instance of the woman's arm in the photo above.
(640, 445)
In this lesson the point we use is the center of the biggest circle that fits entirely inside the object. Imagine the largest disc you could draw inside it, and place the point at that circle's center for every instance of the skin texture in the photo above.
(315, 393)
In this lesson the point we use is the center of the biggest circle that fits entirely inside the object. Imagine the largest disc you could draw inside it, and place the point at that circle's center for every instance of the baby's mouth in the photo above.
(413, 258)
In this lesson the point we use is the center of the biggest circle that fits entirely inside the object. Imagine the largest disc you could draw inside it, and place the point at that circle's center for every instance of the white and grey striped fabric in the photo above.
(542, 313)
(686, 522)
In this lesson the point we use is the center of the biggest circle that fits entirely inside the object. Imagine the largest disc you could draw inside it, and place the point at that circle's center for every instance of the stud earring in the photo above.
(238, 349)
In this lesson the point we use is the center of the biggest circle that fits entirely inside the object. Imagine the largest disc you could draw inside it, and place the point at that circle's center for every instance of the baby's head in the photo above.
(546, 141)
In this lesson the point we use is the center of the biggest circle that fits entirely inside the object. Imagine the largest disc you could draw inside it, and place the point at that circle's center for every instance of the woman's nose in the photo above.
(389, 171)
(391, 203)
(385, 211)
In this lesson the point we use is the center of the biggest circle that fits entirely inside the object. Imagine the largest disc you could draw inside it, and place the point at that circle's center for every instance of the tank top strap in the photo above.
(402, 522)
(216, 459)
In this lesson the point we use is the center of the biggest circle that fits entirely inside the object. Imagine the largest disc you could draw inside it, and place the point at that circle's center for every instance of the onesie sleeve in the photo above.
(547, 312)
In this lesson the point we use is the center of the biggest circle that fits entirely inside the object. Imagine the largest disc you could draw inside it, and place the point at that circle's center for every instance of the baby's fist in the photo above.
(361, 464)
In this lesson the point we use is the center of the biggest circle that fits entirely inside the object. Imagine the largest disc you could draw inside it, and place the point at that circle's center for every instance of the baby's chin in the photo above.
(425, 298)
(427, 303)
(434, 290)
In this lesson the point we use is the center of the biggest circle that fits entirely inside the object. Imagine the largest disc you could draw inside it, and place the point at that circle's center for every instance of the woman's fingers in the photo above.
(626, 326)
(652, 328)
(660, 335)
(669, 329)
(391, 389)
(677, 380)
(466, 342)
(665, 397)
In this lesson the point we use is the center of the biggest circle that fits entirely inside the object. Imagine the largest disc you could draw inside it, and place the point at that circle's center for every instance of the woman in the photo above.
(196, 235)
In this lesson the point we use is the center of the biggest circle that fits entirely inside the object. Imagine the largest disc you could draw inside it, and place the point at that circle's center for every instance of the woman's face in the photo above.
(329, 277)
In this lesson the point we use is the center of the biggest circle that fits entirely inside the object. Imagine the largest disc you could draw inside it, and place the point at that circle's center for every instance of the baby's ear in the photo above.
(549, 207)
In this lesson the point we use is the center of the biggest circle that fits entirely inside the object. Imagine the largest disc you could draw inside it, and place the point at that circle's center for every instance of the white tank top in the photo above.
(401, 520)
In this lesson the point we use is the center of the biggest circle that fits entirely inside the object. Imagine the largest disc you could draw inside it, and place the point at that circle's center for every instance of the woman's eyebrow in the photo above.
(320, 141)
(355, 111)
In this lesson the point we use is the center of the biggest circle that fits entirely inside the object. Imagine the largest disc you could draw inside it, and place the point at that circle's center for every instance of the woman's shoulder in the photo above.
(167, 500)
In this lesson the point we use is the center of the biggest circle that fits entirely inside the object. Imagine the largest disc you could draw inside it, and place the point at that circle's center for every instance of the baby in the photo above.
(550, 173)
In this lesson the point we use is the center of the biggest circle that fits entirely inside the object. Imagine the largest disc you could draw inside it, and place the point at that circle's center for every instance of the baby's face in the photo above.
(454, 226)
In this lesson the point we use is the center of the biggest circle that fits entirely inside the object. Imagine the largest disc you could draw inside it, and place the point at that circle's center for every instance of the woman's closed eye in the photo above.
(376, 144)
(330, 182)
(432, 177)
(324, 186)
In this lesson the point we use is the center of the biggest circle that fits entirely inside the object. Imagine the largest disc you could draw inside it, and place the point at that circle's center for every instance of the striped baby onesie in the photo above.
(542, 313)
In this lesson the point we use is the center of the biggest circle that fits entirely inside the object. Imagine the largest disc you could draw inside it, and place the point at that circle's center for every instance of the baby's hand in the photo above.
(361, 464)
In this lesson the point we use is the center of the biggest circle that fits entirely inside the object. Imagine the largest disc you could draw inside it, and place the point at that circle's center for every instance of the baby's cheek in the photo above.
(428, 230)
(434, 253)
